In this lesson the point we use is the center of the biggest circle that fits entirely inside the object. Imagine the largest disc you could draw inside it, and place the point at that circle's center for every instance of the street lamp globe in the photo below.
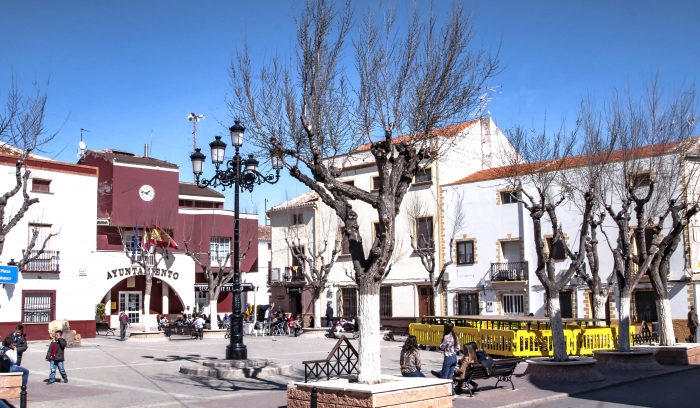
(251, 164)
(218, 148)
(237, 134)
(277, 162)
(198, 161)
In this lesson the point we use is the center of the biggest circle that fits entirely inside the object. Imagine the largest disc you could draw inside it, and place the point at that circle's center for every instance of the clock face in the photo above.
(146, 192)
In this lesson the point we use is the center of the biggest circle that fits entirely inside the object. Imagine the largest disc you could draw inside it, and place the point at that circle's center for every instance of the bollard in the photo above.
(314, 398)
(23, 397)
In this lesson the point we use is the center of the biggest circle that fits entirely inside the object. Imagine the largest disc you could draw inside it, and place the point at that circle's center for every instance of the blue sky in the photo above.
(124, 69)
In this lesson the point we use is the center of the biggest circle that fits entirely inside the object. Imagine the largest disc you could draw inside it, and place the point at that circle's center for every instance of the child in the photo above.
(55, 357)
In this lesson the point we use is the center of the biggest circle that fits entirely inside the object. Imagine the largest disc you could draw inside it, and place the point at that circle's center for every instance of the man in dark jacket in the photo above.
(692, 324)
(123, 324)
(329, 315)
(54, 355)
(20, 343)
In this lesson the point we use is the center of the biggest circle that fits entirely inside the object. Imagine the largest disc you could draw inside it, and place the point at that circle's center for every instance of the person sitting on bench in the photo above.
(465, 362)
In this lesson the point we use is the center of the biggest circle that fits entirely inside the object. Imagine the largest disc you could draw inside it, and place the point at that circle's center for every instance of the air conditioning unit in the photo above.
(277, 275)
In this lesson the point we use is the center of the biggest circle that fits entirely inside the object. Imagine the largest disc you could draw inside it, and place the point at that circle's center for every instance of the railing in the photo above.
(519, 342)
(141, 256)
(47, 261)
(342, 360)
(509, 271)
(292, 275)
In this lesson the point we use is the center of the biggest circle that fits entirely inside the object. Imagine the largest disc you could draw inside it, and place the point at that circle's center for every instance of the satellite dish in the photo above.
(82, 145)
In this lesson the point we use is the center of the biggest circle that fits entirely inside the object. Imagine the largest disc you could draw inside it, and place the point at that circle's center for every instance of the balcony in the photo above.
(141, 256)
(46, 262)
(508, 271)
(294, 274)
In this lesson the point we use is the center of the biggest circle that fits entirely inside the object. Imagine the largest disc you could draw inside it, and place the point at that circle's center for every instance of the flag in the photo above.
(160, 238)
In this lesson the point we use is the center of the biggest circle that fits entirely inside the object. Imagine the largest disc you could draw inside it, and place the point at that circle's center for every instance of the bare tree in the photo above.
(409, 83)
(536, 174)
(316, 259)
(654, 181)
(417, 211)
(22, 133)
(216, 265)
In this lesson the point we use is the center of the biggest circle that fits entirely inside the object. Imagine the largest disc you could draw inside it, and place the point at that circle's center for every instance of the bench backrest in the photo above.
(497, 369)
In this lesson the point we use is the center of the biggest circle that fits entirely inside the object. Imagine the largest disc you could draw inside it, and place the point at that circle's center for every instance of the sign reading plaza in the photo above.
(9, 274)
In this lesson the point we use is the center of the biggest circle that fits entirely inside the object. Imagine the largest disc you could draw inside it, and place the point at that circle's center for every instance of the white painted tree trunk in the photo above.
(437, 305)
(558, 339)
(666, 333)
(599, 303)
(623, 335)
(147, 309)
(317, 310)
(369, 350)
(213, 310)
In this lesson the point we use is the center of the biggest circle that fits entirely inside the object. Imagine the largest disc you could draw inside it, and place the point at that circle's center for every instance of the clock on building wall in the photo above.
(146, 193)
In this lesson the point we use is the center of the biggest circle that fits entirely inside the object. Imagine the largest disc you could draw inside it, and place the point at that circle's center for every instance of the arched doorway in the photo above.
(128, 295)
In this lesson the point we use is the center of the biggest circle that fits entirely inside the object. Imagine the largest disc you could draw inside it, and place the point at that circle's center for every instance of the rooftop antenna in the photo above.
(81, 146)
(195, 118)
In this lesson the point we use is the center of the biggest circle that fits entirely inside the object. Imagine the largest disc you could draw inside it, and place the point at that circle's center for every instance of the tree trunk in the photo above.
(599, 303)
(147, 301)
(437, 306)
(623, 335)
(666, 334)
(558, 339)
(370, 347)
(317, 308)
(213, 309)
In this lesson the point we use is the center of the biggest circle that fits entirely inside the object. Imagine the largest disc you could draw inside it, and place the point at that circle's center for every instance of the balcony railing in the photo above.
(47, 261)
(141, 256)
(509, 271)
(294, 274)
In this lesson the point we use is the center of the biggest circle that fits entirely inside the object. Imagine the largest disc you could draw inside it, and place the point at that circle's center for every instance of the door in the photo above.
(468, 304)
(425, 302)
(130, 302)
(566, 305)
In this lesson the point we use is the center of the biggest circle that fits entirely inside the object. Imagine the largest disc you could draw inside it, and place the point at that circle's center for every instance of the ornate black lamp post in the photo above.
(238, 174)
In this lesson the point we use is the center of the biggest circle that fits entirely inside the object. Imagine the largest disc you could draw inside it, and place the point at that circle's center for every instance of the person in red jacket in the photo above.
(123, 324)
(55, 357)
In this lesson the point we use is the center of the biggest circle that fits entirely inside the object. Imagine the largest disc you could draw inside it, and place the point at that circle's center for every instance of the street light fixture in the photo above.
(238, 174)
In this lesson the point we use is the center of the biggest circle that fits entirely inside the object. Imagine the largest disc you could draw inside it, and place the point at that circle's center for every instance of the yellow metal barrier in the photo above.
(521, 343)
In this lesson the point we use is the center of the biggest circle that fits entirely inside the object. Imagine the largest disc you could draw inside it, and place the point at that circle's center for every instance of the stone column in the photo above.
(166, 298)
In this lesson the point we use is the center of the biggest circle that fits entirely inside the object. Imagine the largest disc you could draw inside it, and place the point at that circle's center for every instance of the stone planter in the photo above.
(148, 337)
(573, 371)
(680, 354)
(635, 360)
(226, 369)
(393, 392)
(314, 333)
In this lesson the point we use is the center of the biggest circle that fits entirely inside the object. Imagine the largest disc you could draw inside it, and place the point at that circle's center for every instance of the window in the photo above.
(556, 252)
(513, 305)
(566, 304)
(509, 197)
(645, 306)
(38, 306)
(41, 186)
(349, 297)
(130, 240)
(297, 219)
(648, 237)
(424, 176)
(375, 230)
(641, 179)
(269, 246)
(468, 304)
(424, 232)
(375, 183)
(384, 301)
(345, 244)
(349, 182)
(296, 250)
(465, 253)
(224, 247)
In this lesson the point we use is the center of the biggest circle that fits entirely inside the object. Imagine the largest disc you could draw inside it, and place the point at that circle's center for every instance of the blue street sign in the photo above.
(9, 274)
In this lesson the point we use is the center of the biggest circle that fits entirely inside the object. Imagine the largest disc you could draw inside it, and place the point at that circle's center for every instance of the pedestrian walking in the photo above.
(329, 315)
(20, 343)
(123, 323)
(55, 357)
(449, 346)
(692, 324)
(8, 358)
(199, 325)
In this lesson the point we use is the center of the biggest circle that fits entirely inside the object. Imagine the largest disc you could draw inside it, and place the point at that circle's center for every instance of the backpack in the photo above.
(5, 362)
(486, 361)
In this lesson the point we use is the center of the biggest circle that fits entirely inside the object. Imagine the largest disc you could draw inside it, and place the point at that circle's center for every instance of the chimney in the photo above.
(145, 150)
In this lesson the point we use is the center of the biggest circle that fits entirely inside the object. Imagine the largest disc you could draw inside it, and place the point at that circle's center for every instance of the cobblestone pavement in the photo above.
(108, 373)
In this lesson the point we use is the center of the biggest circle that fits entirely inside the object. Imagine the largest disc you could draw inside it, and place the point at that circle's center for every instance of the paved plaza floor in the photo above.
(106, 372)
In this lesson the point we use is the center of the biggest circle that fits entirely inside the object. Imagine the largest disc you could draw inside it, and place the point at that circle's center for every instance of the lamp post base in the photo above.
(236, 352)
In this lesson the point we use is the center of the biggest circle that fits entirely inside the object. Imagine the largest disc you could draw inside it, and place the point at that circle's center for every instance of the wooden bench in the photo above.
(501, 369)
(10, 385)
(395, 331)
(104, 326)
(182, 331)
